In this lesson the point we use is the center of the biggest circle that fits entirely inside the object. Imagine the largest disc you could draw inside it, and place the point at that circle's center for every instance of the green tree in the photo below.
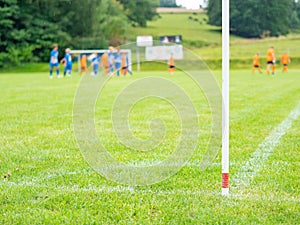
(41, 19)
(9, 11)
(30, 27)
(214, 12)
(295, 15)
(276, 16)
(98, 23)
(244, 20)
(252, 18)
(140, 11)
(168, 3)
(26, 31)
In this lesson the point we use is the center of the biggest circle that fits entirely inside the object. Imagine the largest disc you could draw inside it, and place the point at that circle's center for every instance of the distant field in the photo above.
(51, 183)
(206, 40)
(192, 27)
(246, 48)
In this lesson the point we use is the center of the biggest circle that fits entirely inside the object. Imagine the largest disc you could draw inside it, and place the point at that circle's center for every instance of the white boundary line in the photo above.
(89, 171)
(132, 190)
(248, 171)
(110, 189)
(41, 180)
(48, 176)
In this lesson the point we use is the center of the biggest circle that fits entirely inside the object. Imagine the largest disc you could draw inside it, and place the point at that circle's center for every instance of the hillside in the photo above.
(192, 26)
(206, 40)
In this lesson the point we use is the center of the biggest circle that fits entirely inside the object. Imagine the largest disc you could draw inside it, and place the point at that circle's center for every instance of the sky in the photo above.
(189, 4)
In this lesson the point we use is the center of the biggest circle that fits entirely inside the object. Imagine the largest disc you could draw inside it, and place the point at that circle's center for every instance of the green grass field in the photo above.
(51, 183)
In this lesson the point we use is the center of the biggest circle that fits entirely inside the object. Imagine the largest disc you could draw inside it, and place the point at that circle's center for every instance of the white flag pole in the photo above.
(225, 93)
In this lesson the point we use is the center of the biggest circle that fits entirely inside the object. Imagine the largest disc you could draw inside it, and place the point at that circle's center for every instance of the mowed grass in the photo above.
(51, 183)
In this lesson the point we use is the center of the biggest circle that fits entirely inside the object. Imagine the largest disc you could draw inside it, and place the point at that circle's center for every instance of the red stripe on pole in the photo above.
(225, 180)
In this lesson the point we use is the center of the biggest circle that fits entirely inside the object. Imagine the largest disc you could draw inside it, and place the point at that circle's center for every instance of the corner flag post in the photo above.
(225, 94)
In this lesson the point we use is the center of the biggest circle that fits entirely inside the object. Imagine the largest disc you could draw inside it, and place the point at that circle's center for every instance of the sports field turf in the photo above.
(51, 183)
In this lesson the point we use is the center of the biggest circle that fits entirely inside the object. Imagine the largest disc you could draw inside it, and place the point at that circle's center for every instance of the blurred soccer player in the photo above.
(285, 60)
(105, 63)
(54, 61)
(111, 60)
(67, 61)
(256, 64)
(118, 61)
(271, 60)
(171, 64)
(95, 63)
(83, 65)
(124, 64)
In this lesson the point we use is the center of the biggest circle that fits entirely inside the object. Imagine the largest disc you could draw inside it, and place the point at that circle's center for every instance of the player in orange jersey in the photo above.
(105, 62)
(83, 65)
(124, 65)
(256, 63)
(171, 64)
(285, 60)
(271, 60)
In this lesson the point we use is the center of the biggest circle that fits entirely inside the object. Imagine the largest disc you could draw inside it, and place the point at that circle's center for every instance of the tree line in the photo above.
(28, 28)
(258, 18)
(168, 3)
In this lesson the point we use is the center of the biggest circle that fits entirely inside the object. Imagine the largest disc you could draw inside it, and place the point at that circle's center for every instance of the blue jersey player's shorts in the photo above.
(53, 65)
(68, 67)
(96, 67)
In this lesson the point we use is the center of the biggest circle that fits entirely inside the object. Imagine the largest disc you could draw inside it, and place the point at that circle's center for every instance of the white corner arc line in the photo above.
(249, 169)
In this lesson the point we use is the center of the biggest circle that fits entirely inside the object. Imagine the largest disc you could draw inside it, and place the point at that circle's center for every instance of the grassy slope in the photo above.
(174, 24)
(54, 185)
(209, 39)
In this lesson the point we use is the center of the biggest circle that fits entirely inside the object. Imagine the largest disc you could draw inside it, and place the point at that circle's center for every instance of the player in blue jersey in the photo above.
(118, 61)
(95, 63)
(67, 61)
(54, 61)
(111, 60)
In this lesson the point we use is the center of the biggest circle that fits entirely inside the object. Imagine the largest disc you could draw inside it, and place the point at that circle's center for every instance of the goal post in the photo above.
(225, 94)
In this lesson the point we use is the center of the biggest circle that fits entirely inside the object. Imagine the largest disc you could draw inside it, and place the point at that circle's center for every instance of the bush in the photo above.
(197, 44)
(17, 55)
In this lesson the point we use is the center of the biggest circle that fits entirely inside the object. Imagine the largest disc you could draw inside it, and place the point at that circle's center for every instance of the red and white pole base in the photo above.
(225, 184)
